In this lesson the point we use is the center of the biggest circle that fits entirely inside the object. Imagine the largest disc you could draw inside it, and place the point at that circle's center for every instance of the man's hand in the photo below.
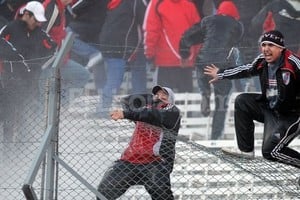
(212, 71)
(117, 114)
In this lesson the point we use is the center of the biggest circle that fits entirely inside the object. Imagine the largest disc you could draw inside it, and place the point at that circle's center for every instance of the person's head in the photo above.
(272, 45)
(33, 13)
(163, 94)
(228, 8)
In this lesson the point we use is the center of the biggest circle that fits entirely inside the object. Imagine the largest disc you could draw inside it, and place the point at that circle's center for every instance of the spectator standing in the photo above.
(218, 34)
(120, 43)
(20, 79)
(283, 15)
(73, 74)
(278, 105)
(165, 22)
(149, 158)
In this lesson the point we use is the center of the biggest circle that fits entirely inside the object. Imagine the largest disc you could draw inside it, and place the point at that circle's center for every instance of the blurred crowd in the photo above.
(174, 39)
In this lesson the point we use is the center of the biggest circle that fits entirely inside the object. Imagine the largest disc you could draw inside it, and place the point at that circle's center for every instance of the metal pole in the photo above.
(54, 114)
(52, 126)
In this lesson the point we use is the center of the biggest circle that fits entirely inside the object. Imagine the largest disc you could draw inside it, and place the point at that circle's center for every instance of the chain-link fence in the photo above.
(60, 151)
(90, 146)
(20, 138)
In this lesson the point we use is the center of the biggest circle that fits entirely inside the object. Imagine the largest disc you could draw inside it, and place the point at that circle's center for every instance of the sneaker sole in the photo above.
(237, 155)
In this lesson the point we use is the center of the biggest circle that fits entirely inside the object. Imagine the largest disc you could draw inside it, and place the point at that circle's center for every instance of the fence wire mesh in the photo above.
(21, 127)
(90, 146)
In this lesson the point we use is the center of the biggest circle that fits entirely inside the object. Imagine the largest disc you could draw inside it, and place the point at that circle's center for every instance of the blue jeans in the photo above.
(85, 50)
(80, 47)
(114, 76)
(138, 74)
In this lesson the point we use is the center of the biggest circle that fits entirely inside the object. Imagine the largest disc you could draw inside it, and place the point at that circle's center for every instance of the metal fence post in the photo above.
(49, 139)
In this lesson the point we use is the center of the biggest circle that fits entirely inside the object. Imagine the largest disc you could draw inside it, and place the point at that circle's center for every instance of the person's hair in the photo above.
(29, 12)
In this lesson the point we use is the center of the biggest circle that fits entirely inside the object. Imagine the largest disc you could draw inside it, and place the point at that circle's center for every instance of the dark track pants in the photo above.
(279, 129)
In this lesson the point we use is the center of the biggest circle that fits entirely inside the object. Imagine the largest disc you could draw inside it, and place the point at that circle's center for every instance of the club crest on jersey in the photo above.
(286, 77)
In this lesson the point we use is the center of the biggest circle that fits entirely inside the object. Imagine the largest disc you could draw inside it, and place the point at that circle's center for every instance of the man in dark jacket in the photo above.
(278, 106)
(218, 34)
(20, 79)
(26, 35)
(149, 158)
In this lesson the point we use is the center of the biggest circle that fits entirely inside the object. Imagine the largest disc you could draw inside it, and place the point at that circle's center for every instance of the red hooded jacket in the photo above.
(228, 8)
(164, 24)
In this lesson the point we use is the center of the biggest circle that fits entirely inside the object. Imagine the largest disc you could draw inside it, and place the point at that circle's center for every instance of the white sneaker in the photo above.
(238, 153)
(94, 59)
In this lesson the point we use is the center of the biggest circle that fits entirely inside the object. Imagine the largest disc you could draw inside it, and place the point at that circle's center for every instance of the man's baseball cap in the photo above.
(37, 10)
(167, 90)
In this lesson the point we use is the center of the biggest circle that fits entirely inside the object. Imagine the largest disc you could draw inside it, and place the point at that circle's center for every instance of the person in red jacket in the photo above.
(149, 158)
(165, 22)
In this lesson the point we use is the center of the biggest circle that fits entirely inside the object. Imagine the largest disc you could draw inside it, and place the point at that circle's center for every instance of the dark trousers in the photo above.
(154, 177)
(279, 129)
(222, 93)
(17, 98)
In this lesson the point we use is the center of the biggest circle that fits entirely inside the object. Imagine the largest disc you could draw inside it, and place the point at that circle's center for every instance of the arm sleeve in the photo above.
(8, 52)
(168, 117)
(82, 6)
(152, 28)
(191, 37)
(241, 71)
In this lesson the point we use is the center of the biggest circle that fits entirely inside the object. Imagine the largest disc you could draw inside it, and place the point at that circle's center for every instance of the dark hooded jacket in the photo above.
(217, 33)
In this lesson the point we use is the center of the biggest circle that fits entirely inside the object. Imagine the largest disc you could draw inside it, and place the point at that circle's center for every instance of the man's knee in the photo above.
(268, 152)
